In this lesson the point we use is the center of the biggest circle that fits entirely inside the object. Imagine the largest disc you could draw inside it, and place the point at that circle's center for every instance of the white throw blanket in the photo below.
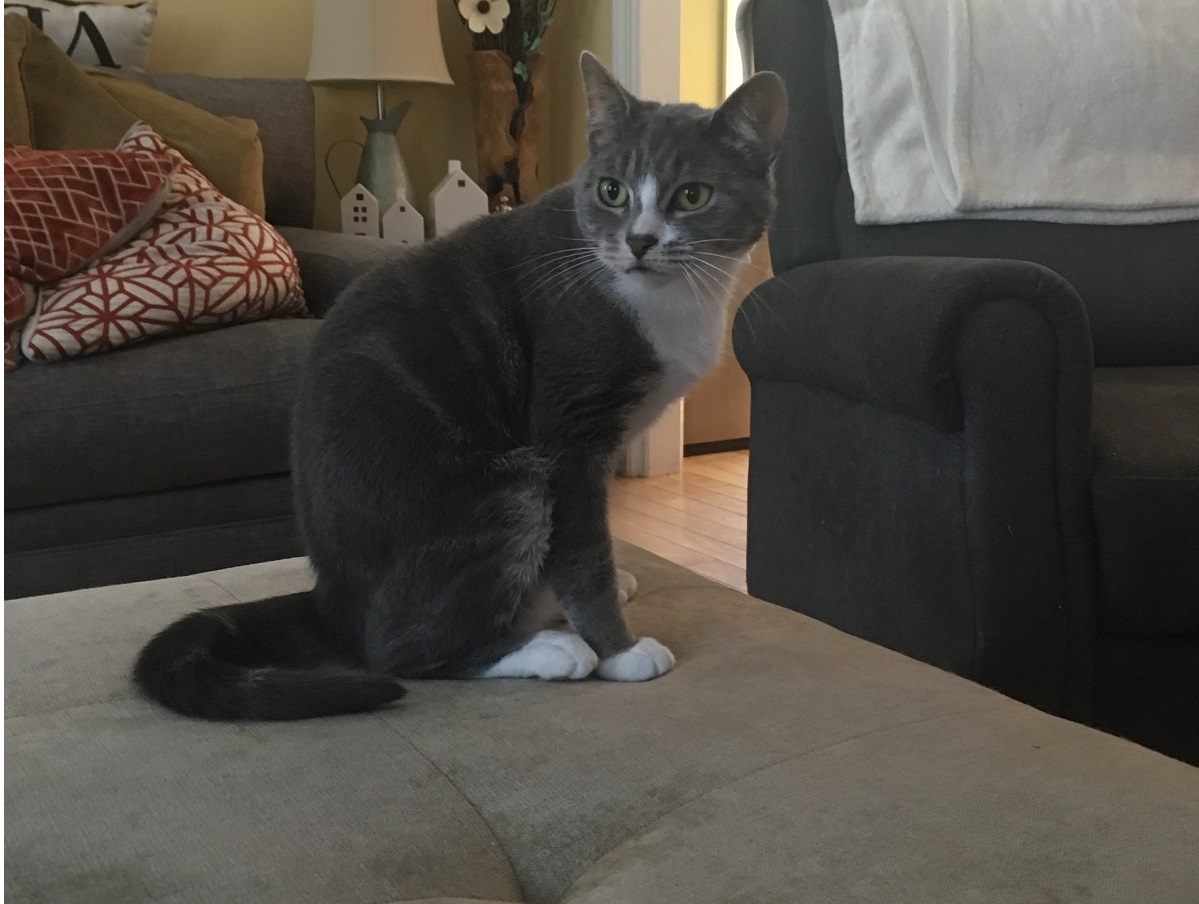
(1062, 110)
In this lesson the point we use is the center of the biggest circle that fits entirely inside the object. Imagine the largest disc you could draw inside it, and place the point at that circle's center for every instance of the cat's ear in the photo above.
(756, 113)
(608, 104)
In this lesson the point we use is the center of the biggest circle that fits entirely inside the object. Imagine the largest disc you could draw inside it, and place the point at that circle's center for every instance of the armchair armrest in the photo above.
(885, 330)
(920, 463)
(330, 261)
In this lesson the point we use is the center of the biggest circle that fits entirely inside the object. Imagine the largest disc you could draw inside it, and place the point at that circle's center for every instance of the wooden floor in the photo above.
(695, 519)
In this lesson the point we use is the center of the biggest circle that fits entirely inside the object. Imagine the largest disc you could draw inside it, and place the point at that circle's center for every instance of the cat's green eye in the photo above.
(692, 196)
(613, 193)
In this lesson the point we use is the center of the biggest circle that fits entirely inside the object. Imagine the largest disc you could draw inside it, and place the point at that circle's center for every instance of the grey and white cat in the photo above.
(456, 425)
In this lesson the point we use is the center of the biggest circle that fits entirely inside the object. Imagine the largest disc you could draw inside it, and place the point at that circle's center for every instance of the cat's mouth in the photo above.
(645, 269)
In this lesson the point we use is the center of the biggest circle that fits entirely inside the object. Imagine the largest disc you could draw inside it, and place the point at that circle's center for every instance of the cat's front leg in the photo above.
(582, 575)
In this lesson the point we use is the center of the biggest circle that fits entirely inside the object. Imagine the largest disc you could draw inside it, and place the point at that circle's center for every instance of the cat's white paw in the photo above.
(550, 656)
(642, 661)
(626, 586)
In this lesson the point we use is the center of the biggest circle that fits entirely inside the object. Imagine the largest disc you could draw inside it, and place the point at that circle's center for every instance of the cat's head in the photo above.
(676, 190)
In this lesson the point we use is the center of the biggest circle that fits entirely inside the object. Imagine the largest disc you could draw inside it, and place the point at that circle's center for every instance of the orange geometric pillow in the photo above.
(64, 209)
(204, 262)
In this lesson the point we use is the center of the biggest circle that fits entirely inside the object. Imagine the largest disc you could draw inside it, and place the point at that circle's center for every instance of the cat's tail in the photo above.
(267, 659)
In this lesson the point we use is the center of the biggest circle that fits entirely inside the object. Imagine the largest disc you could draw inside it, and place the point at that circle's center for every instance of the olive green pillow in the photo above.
(16, 111)
(53, 104)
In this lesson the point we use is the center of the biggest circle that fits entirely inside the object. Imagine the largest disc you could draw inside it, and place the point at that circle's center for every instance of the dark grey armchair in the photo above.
(976, 443)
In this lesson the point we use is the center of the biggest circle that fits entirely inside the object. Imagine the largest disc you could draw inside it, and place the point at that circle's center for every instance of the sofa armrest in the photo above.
(885, 330)
(330, 261)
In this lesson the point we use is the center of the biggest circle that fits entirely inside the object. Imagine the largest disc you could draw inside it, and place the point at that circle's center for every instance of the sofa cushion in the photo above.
(1145, 492)
(181, 412)
(205, 261)
(226, 149)
(16, 108)
(51, 103)
(330, 261)
(96, 34)
(97, 542)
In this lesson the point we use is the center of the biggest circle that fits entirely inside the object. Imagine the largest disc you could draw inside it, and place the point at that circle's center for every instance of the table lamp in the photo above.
(378, 41)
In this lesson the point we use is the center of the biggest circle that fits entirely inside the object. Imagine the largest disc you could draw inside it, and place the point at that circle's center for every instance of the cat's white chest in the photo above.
(685, 326)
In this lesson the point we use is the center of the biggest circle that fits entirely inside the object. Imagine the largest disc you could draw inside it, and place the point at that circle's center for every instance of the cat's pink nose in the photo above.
(639, 244)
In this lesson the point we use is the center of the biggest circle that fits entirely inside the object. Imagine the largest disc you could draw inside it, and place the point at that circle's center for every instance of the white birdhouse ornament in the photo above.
(360, 212)
(403, 223)
(455, 200)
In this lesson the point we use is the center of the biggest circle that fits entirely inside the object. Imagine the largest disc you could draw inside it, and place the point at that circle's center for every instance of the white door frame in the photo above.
(645, 58)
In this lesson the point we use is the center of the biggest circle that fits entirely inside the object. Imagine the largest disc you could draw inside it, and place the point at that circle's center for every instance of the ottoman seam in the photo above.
(466, 797)
(787, 759)
(225, 590)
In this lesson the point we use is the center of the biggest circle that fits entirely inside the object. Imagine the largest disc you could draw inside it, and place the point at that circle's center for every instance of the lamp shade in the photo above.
(376, 41)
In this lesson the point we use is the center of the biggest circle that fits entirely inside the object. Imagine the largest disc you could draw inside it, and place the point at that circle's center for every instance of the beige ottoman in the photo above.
(781, 761)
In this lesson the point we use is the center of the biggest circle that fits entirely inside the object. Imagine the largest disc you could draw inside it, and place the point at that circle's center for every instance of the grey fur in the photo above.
(463, 403)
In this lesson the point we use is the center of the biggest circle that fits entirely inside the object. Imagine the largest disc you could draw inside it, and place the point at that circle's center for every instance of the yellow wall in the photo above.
(701, 52)
(271, 38)
(578, 25)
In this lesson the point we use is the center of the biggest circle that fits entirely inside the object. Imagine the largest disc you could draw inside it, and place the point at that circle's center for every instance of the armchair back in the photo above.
(1140, 284)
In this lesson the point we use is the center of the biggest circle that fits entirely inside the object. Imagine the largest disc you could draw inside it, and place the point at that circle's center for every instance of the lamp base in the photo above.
(382, 171)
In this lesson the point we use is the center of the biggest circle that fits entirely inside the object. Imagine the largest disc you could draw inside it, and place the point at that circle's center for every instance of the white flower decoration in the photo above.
(480, 14)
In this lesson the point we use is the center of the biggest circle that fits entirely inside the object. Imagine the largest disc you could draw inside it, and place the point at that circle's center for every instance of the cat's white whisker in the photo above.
(591, 278)
(717, 293)
(564, 266)
(556, 253)
(570, 277)
(547, 270)
(554, 257)
(740, 260)
(690, 281)
(751, 295)
(546, 266)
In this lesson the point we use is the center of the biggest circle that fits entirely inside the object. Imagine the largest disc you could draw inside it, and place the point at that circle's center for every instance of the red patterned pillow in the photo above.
(204, 262)
(64, 209)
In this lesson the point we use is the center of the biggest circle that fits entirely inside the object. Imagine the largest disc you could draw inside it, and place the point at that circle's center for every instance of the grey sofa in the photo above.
(172, 457)
(976, 443)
